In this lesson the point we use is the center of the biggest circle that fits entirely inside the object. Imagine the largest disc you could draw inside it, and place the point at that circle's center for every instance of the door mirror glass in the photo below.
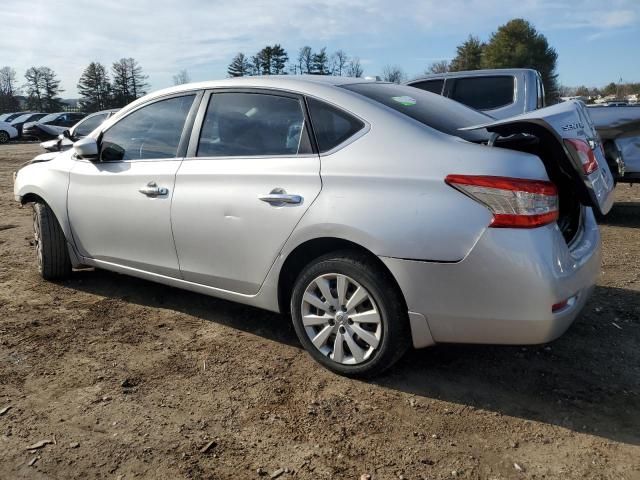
(86, 148)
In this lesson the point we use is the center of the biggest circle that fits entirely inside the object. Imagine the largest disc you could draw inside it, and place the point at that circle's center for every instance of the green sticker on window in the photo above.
(405, 100)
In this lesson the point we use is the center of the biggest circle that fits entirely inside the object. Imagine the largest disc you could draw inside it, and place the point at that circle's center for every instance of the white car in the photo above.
(7, 132)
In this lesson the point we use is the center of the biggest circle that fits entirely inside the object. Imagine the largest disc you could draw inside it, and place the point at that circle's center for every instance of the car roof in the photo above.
(486, 72)
(299, 83)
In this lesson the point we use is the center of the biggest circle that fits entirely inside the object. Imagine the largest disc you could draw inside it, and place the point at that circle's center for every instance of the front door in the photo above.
(248, 179)
(120, 205)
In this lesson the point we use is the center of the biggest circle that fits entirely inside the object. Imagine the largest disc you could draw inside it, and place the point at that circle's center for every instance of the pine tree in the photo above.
(129, 83)
(239, 66)
(517, 44)
(42, 89)
(320, 63)
(468, 55)
(279, 59)
(94, 88)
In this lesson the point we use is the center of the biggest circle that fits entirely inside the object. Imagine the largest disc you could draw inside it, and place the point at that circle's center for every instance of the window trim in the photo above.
(184, 136)
(454, 80)
(194, 139)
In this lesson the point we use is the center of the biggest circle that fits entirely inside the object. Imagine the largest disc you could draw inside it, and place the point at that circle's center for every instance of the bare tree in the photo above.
(181, 77)
(8, 90)
(441, 66)
(305, 60)
(393, 73)
(354, 69)
(8, 81)
(339, 61)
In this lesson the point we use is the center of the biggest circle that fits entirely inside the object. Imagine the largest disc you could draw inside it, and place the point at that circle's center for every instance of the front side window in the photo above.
(253, 124)
(153, 131)
(433, 86)
(331, 125)
(484, 93)
(88, 125)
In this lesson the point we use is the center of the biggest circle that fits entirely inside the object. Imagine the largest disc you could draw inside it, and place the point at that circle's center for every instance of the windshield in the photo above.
(428, 108)
(3, 116)
(49, 118)
(21, 118)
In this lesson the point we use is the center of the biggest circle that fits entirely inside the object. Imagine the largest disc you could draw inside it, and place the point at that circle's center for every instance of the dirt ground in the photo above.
(130, 379)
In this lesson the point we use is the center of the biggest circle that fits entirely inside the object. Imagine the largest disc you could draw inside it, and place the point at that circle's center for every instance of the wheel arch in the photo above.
(306, 252)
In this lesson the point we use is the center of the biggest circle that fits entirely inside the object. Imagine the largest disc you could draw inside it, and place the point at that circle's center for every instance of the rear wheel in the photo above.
(4, 136)
(51, 246)
(349, 315)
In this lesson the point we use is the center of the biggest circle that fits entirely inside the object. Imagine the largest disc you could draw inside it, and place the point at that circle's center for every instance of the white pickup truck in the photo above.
(503, 93)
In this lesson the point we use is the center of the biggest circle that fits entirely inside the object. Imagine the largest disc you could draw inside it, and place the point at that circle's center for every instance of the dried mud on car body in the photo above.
(133, 379)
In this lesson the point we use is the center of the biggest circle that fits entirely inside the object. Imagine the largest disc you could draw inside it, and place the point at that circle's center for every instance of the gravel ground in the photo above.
(129, 379)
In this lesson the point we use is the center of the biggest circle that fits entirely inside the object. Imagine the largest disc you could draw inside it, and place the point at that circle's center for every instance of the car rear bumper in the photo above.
(504, 290)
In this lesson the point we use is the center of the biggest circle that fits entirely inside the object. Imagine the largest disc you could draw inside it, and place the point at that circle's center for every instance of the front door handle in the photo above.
(279, 197)
(153, 190)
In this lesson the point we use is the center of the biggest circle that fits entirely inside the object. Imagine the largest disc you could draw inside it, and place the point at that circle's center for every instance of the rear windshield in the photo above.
(484, 93)
(428, 108)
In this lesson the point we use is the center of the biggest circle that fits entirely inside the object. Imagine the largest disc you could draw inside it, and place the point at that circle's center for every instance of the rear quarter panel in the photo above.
(386, 191)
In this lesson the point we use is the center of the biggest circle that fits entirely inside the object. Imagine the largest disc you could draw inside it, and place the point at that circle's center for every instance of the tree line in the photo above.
(99, 89)
(274, 60)
(516, 44)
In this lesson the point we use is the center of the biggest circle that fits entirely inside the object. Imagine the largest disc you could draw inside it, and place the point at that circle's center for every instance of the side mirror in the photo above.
(66, 133)
(86, 148)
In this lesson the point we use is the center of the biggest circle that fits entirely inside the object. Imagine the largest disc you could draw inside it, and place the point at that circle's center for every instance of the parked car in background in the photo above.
(80, 130)
(331, 165)
(52, 125)
(7, 132)
(19, 122)
(502, 93)
(11, 116)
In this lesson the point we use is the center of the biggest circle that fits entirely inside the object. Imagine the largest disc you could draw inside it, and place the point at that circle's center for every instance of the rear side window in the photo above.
(253, 124)
(433, 86)
(484, 93)
(331, 125)
(151, 132)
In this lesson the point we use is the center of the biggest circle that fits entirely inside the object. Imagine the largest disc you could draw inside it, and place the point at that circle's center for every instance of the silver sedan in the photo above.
(379, 216)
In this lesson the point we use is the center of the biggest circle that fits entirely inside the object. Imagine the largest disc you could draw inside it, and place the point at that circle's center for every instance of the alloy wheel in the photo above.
(341, 319)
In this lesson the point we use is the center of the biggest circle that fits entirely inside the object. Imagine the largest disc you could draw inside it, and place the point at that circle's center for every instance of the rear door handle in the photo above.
(279, 197)
(153, 190)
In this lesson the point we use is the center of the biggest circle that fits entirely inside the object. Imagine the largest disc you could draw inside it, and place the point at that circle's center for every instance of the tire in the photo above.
(4, 137)
(353, 348)
(51, 246)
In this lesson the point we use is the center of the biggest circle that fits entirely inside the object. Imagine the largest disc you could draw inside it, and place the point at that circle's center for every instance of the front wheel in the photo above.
(349, 315)
(51, 246)
(4, 137)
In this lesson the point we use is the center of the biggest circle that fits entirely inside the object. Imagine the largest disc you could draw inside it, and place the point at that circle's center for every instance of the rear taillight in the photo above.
(584, 152)
(514, 202)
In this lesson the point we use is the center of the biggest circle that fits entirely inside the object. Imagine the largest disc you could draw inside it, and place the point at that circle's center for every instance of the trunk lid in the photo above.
(566, 121)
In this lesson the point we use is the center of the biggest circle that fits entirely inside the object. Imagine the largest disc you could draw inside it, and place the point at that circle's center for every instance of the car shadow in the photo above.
(623, 214)
(586, 381)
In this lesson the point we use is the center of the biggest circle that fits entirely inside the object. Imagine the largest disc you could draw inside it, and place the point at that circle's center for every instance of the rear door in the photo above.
(571, 125)
(249, 177)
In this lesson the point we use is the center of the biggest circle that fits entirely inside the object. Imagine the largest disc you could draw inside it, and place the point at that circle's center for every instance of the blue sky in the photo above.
(597, 41)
